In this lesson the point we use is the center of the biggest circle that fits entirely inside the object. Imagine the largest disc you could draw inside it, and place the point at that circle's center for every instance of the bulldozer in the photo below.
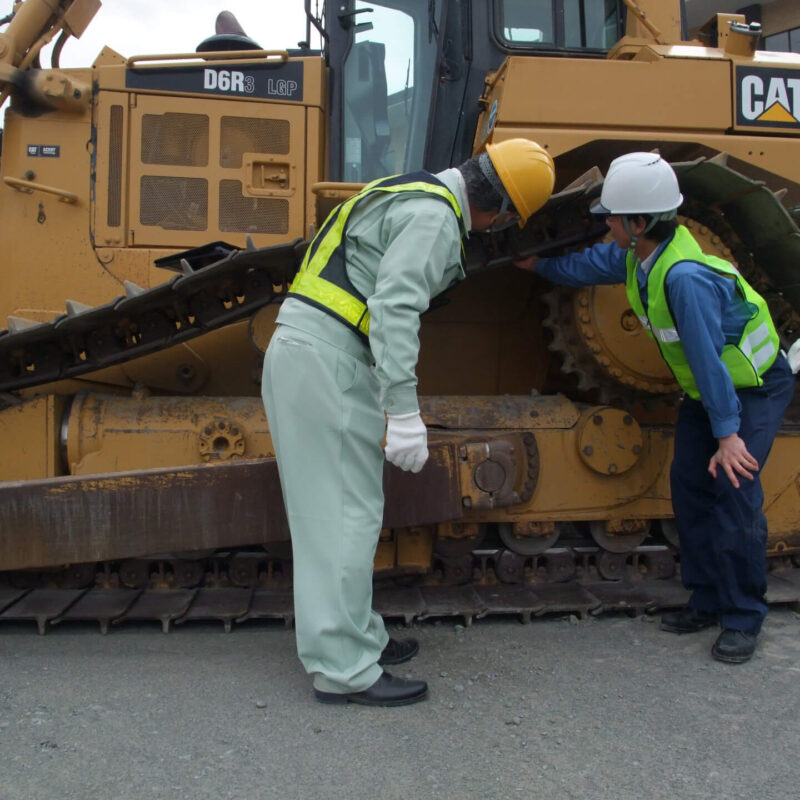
(154, 209)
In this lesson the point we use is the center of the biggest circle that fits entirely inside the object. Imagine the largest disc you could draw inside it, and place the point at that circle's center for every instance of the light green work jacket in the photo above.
(402, 250)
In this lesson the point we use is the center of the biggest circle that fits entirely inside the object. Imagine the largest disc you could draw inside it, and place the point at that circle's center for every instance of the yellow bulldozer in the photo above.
(153, 211)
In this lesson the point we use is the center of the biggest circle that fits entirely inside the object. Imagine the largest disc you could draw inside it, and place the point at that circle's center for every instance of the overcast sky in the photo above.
(137, 27)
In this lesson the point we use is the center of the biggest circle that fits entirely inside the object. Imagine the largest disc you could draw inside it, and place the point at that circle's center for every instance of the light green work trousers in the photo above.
(321, 399)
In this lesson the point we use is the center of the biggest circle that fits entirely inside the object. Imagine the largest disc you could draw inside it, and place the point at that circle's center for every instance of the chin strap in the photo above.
(489, 172)
(654, 218)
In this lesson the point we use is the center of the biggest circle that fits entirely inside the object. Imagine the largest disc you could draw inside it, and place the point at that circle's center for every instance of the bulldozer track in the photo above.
(579, 581)
(217, 285)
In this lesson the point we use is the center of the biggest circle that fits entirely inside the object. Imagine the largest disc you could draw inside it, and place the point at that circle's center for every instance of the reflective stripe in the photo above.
(329, 295)
(662, 334)
(762, 356)
(667, 335)
(755, 339)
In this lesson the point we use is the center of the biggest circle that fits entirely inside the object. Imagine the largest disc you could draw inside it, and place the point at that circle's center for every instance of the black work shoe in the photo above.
(388, 690)
(398, 651)
(734, 647)
(687, 620)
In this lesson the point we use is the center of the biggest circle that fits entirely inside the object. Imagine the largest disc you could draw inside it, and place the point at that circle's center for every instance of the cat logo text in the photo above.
(768, 97)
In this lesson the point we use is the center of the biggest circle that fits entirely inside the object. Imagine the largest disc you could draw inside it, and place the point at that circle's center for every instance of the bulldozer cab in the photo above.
(407, 74)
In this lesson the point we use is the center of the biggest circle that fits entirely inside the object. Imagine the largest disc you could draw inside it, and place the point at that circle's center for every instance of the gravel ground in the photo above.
(606, 707)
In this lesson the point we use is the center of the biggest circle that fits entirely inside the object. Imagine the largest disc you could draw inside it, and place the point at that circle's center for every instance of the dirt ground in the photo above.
(607, 707)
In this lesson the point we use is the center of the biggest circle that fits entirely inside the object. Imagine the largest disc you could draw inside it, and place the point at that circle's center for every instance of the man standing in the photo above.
(340, 373)
(716, 335)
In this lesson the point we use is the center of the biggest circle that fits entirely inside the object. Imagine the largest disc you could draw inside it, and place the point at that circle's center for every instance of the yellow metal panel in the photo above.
(46, 244)
(30, 436)
(616, 94)
(781, 481)
(776, 154)
(112, 434)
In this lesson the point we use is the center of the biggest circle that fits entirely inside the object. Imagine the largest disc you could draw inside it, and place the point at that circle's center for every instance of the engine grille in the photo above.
(250, 214)
(239, 135)
(175, 204)
(179, 140)
(114, 216)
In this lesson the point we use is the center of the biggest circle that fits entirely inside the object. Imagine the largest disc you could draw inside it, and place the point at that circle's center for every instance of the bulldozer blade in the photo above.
(99, 518)
(80, 519)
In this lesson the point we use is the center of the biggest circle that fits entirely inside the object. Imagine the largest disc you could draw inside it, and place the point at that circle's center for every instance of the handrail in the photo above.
(642, 17)
(29, 186)
(336, 187)
(238, 55)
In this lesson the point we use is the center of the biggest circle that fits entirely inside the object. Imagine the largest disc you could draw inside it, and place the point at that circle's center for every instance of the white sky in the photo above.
(137, 27)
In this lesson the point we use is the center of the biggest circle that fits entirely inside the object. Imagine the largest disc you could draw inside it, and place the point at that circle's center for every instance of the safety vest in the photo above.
(322, 279)
(746, 361)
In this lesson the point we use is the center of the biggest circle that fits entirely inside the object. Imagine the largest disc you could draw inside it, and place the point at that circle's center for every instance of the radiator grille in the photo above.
(115, 167)
(175, 204)
(180, 140)
(239, 135)
(250, 214)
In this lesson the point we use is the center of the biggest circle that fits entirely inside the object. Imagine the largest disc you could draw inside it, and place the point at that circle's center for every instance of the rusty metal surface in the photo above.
(498, 472)
(520, 412)
(432, 495)
(231, 504)
(86, 519)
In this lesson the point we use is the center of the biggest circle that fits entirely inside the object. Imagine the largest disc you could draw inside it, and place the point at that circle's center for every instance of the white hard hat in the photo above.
(639, 183)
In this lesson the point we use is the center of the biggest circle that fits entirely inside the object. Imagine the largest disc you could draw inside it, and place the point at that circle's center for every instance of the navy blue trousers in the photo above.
(723, 530)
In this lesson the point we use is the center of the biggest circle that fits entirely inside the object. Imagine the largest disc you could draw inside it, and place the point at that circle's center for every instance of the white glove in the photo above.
(794, 356)
(406, 441)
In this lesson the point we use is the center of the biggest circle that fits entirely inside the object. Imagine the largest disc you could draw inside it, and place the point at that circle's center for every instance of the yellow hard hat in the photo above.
(527, 173)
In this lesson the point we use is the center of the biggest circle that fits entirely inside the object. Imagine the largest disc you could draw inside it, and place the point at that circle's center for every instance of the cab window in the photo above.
(389, 75)
(575, 25)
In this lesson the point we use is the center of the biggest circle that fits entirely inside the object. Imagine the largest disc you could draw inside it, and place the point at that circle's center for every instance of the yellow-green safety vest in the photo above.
(745, 361)
(322, 279)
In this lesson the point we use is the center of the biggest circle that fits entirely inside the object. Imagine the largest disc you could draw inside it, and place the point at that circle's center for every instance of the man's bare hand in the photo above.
(528, 263)
(734, 457)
